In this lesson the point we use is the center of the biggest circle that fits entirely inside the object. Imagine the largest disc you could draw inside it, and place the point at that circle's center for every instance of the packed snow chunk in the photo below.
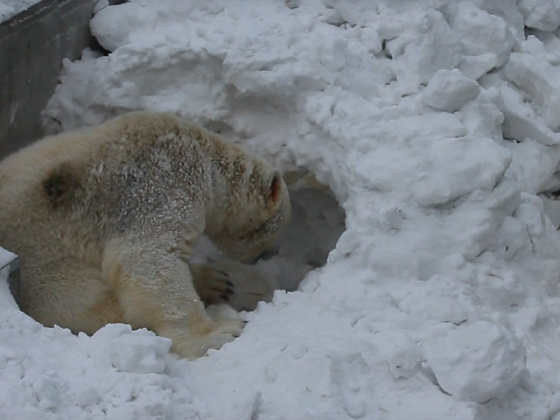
(477, 225)
(521, 122)
(139, 351)
(482, 34)
(419, 42)
(543, 45)
(400, 352)
(47, 390)
(511, 237)
(541, 82)
(483, 116)
(552, 210)
(475, 66)
(477, 362)
(540, 14)
(533, 166)
(433, 304)
(114, 26)
(460, 166)
(449, 90)
(544, 239)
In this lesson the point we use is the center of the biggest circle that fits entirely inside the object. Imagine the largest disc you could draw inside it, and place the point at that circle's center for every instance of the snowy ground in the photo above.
(434, 125)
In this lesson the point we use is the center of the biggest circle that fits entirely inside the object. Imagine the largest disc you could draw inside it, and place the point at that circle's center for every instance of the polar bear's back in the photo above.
(26, 221)
(24, 171)
(31, 180)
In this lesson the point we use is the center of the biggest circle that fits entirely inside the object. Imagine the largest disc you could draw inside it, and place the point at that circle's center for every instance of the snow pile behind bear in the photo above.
(435, 126)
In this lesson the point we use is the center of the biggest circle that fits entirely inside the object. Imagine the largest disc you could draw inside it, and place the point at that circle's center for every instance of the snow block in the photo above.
(539, 14)
(111, 25)
(449, 90)
(483, 115)
(533, 167)
(476, 66)
(460, 166)
(420, 43)
(477, 362)
(541, 81)
(521, 122)
(482, 34)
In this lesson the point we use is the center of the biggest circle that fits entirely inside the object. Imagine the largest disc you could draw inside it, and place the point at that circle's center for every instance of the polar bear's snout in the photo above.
(267, 254)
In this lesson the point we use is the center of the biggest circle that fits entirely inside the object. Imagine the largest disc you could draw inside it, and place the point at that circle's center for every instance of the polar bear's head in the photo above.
(257, 210)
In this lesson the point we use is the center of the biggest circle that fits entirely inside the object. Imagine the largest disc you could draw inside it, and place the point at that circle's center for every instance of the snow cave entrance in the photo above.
(316, 224)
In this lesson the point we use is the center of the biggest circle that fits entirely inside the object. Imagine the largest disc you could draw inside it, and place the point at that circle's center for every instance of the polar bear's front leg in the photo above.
(155, 289)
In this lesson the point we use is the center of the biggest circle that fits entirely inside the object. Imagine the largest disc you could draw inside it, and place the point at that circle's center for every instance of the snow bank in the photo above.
(432, 123)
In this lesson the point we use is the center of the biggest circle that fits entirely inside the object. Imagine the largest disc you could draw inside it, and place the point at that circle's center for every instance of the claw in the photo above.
(229, 283)
(224, 297)
(230, 291)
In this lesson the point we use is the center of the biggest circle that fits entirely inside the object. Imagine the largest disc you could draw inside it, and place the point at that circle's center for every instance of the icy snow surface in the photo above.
(434, 124)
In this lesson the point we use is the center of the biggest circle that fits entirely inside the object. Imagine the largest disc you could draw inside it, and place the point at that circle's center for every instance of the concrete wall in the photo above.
(32, 46)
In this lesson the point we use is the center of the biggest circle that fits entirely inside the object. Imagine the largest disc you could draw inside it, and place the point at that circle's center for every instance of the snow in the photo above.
(6, 257)
(9, 8)
(449, 90)
(540, 14)
(477, 362)
(430, 293)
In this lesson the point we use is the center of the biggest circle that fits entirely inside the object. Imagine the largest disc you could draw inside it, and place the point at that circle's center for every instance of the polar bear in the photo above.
(104, 220)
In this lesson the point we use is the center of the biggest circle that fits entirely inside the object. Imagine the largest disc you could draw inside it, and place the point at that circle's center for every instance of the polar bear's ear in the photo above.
(276, 188)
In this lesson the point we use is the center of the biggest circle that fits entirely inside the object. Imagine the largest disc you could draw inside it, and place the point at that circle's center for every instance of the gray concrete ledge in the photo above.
(32, 46)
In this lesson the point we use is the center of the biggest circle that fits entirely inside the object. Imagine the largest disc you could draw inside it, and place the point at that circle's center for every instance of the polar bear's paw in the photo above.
(195, 345)
(211, 283)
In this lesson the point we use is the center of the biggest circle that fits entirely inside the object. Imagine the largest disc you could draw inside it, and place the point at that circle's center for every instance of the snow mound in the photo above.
(425, 132)
(477, 362)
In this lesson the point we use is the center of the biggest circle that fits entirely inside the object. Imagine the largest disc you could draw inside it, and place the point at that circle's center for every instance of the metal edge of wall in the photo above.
(32, 46)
